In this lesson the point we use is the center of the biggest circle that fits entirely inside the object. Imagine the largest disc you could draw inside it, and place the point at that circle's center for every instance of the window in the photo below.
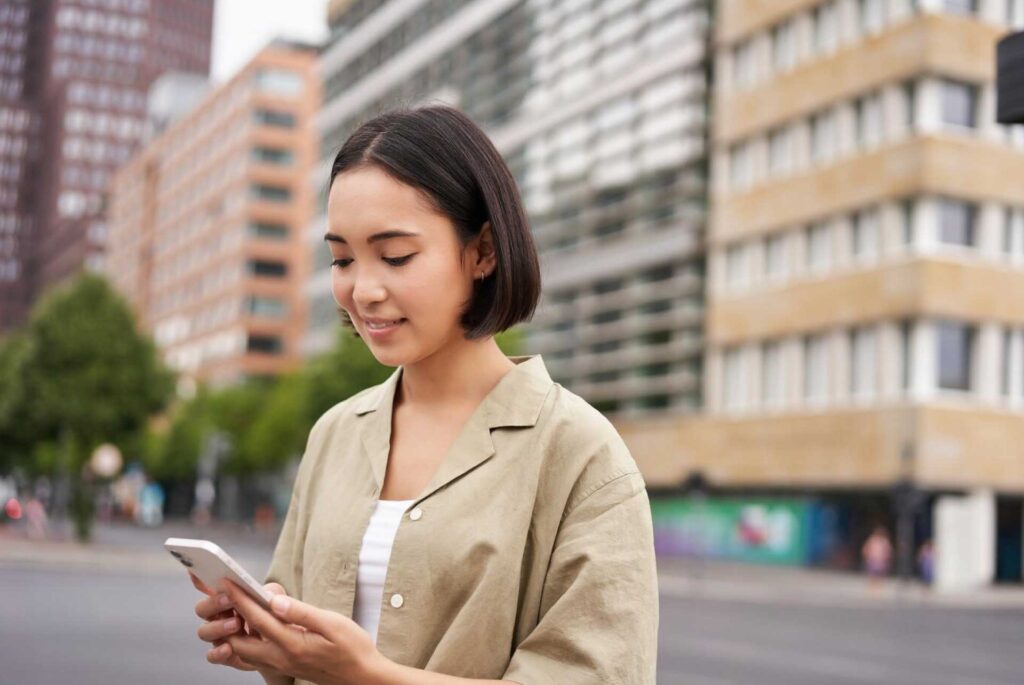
(736, 267)
(270, 155)
(780, 151)
(279, 82)
(872, 16)
(819, 246)
(269, 117)
(865, 234)
(263, 267)
(823, 136)
(826, 31)
(956, 342)
(905, 332)
(261, 191)
(733, 379)
(266, 306)
(771, 374)
(815, 367)
(775, 256)
(270, 231)
(957, 222)
(264, 344)
(959, 104)
(784, 46)
(869, 126)
(964, 7)
(743, 59)
(740, 167)
(863, 356)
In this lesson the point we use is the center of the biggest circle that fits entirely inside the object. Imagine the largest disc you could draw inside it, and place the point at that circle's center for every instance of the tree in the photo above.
(86, 377)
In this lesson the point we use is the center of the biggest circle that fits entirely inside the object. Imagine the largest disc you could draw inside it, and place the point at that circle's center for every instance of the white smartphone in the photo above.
(210, 564)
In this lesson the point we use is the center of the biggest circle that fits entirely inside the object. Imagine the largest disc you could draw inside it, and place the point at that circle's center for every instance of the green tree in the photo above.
(86, 377)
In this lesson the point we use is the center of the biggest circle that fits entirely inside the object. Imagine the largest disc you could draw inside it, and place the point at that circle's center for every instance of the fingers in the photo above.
(258, 618)
(208, 607)
(223, 655)
(275, 589)
(219, 629)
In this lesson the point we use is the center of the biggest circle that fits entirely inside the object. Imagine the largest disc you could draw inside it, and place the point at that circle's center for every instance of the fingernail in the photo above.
(223, 600)
(231, 625)
(279, 604)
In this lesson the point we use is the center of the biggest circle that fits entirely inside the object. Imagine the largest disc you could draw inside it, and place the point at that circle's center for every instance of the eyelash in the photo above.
(393, 261)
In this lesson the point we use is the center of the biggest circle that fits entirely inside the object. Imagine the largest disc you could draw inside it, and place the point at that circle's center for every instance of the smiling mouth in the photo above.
(382, 326)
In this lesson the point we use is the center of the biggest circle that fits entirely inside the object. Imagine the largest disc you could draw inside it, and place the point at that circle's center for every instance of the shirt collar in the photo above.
(516, 400)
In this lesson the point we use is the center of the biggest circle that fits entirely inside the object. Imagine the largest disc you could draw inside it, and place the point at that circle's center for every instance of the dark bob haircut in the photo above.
(442, 153)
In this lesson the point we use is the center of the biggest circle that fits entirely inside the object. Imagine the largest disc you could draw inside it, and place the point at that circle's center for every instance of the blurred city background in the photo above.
(782, 245)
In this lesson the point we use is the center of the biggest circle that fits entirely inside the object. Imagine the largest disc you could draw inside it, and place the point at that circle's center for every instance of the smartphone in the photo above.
(210, 564)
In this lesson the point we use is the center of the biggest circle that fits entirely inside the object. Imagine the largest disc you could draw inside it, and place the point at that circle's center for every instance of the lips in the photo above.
(380, 324)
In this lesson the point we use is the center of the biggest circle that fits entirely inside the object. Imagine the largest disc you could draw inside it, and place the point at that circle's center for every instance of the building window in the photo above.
(264, 267)
(733, 379)
(865, 235)
(959, 104)
(823, 137)
(816, 367)
(819, 247)
(872, 16)
(271, 307)
(264, 344)
(775, 256)
(771, 374)
(826, 31)
(863, 356)
(905, 330)
(743, 60)
(784, 46)
(780, 151)
(270, 117)
(272, 155)
(957, 222)
(279, 82)
(956, 343)
(869, 120)
(260, 191)
(736, 267)
(269, 231)
(964, 7)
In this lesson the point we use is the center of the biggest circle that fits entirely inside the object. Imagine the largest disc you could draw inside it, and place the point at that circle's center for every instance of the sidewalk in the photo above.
(688, 578)
(125, 547)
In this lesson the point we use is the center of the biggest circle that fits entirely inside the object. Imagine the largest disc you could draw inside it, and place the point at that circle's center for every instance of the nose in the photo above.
(367, 289)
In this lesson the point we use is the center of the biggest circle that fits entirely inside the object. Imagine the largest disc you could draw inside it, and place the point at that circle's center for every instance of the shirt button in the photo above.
(397, 601)
(415, 514)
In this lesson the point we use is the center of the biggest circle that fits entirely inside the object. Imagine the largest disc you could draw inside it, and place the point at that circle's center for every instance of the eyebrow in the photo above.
(375, 238)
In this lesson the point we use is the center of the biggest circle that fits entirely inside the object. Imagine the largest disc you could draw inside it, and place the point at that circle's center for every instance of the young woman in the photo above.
(468, 520)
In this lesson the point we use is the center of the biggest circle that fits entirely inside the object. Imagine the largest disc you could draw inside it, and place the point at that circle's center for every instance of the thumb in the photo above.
(300, 613)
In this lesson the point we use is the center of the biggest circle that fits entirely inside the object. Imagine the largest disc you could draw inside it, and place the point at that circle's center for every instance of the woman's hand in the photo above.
(304, 642)
(218, 626)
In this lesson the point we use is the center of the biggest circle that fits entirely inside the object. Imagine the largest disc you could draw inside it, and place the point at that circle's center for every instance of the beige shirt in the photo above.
(529, 557)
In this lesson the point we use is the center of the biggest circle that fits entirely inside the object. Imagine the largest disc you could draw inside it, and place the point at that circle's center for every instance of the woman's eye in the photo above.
(399, 261)
(341, 263)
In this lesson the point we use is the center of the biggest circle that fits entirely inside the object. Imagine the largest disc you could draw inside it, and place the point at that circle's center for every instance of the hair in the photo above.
(441, 152)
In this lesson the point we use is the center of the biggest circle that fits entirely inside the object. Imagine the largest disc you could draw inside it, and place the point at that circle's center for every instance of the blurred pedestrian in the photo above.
(877, 556)
(926, 561)
(37, 523)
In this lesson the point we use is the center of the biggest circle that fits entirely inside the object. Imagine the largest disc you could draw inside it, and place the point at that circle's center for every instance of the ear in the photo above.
(486, 258)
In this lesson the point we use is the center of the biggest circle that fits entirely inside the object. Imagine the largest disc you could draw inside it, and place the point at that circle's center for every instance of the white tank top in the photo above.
(373, 562)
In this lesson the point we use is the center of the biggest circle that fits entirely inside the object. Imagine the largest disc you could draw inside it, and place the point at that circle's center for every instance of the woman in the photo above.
(468, 520)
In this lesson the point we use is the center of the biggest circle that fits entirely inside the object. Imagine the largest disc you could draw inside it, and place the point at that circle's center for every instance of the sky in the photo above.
(242, 27)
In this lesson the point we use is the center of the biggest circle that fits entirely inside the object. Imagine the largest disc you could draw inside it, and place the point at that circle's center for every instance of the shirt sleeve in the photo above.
(599, 610)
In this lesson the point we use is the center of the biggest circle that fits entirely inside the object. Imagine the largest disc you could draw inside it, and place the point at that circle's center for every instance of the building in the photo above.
(601, 115)
(865, 327)
(206, 223)
(74, 76)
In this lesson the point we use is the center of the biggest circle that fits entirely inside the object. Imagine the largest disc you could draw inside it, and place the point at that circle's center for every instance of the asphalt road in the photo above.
(87, 626)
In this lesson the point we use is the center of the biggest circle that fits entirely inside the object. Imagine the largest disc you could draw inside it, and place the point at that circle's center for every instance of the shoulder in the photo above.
(585, 446)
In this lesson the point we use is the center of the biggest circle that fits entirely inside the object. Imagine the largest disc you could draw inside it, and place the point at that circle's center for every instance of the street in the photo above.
(115, 619)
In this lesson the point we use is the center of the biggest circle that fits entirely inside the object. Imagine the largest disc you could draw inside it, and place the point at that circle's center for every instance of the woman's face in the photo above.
(397, 259)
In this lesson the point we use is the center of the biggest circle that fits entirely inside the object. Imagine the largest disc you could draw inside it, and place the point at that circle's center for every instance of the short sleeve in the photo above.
(286, 564)
(599, 609)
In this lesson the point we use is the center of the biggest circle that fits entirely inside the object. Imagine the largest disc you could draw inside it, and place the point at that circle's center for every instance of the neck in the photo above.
(462, 373)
